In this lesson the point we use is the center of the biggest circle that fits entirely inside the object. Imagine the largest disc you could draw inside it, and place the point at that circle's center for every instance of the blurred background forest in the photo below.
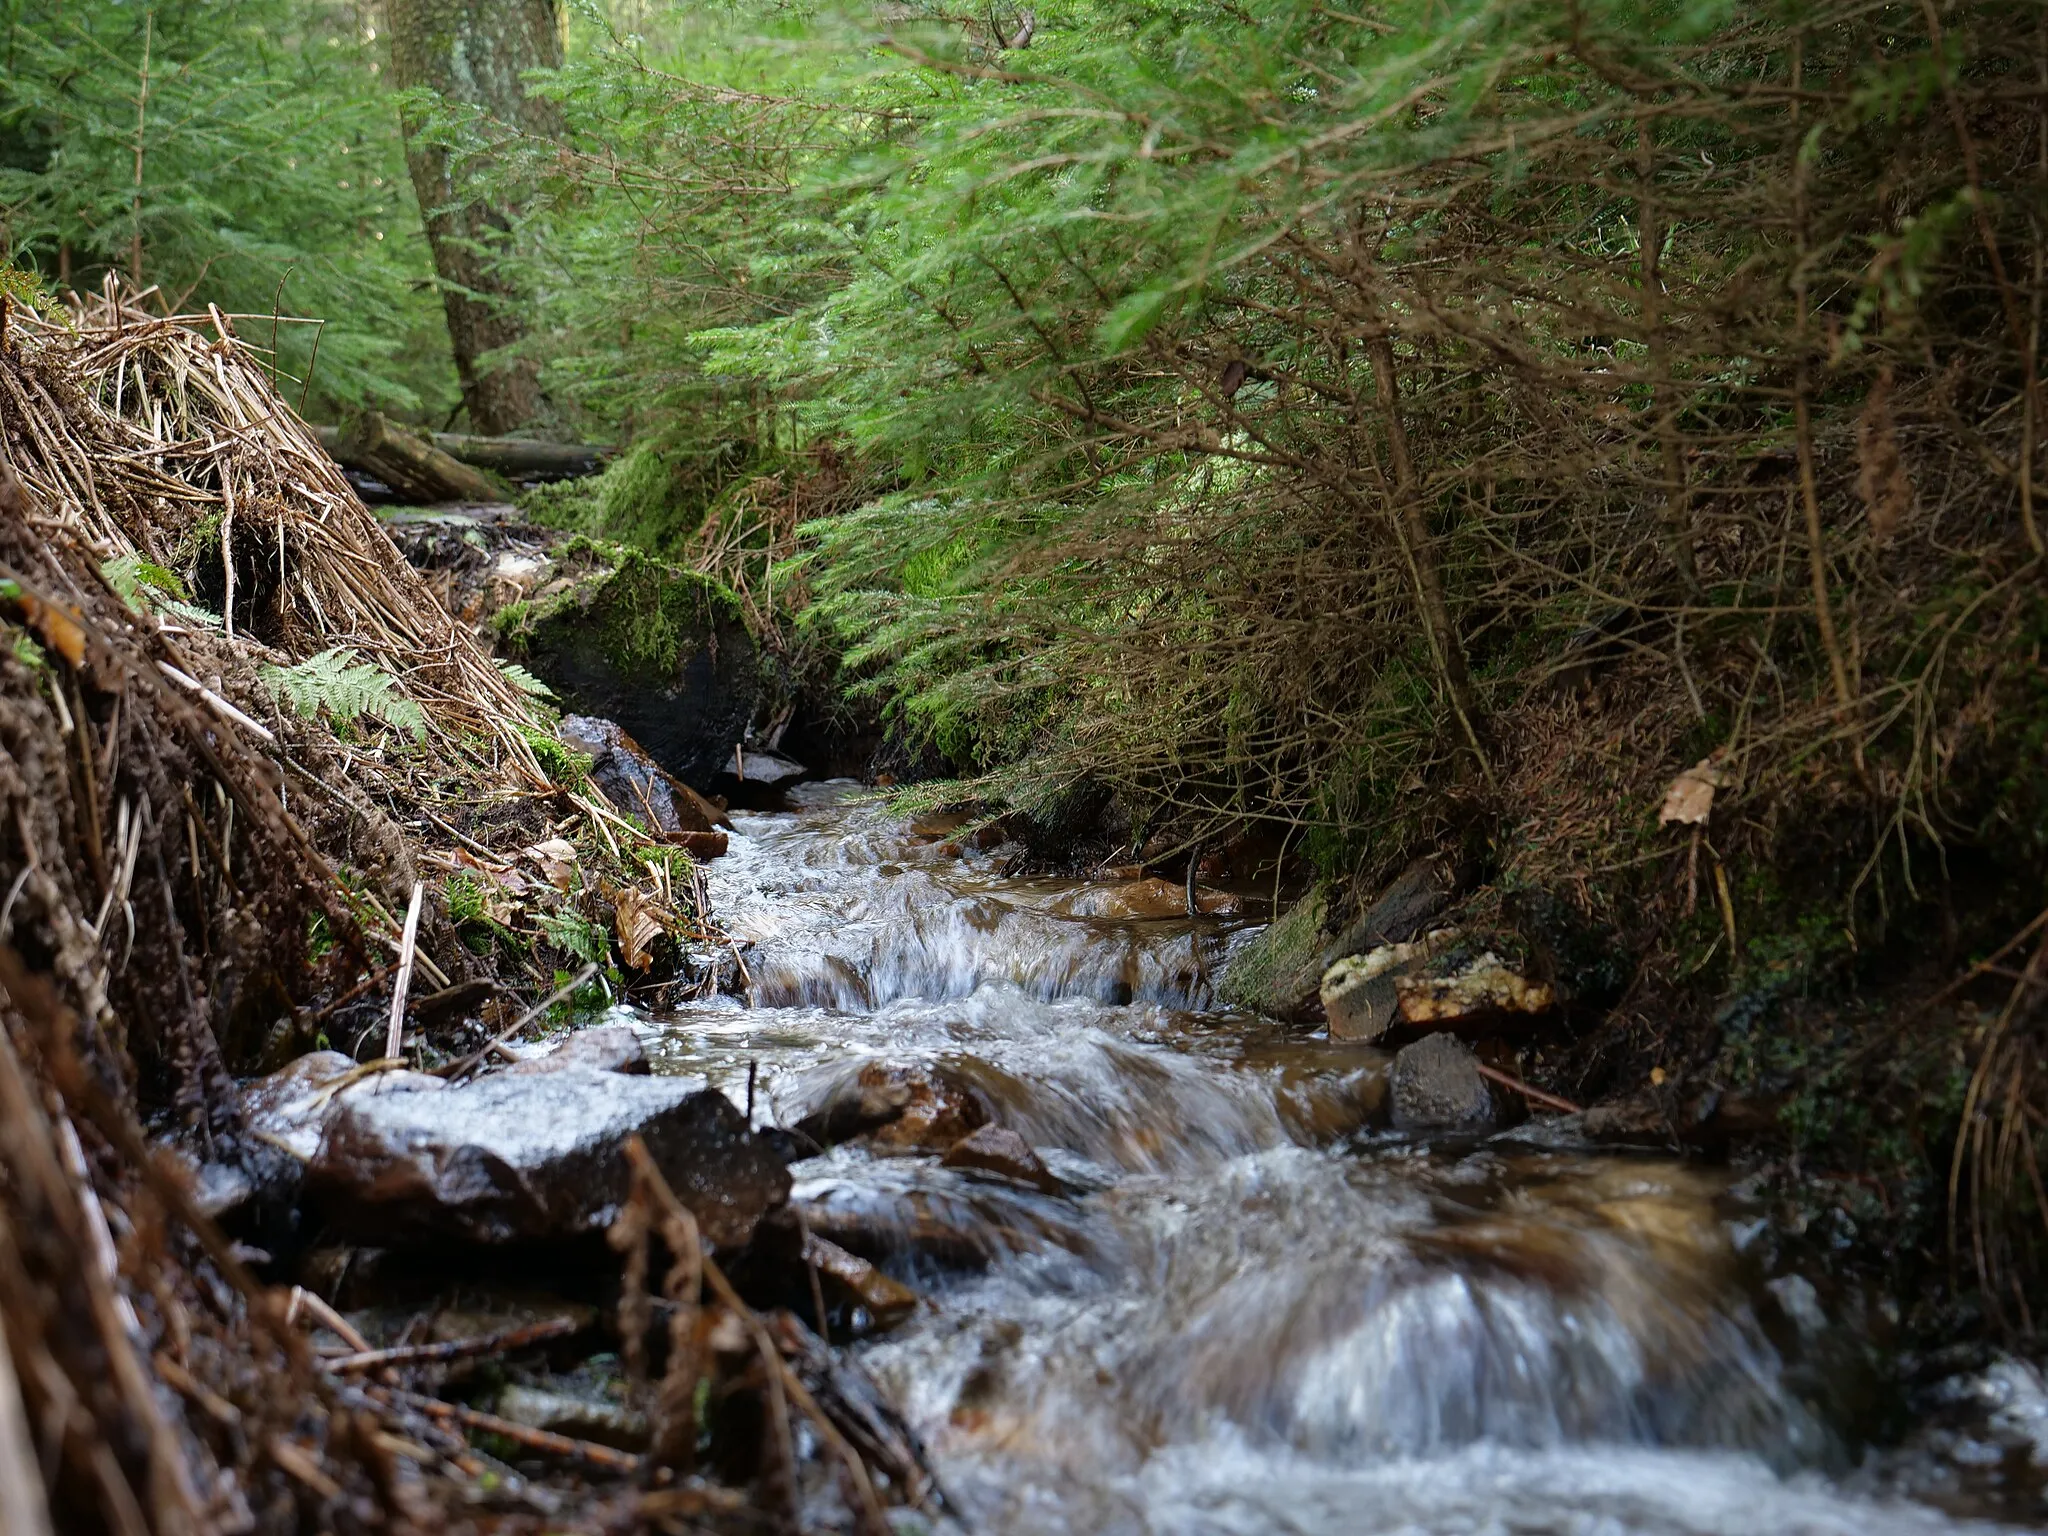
(1456, 423)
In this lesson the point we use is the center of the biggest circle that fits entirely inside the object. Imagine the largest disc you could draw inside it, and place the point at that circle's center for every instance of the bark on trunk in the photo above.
(472, 53)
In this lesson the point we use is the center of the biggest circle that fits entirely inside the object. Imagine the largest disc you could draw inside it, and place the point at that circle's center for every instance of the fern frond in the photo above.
(191, 613)
(347, 688)
(142, 584)
(525, 681)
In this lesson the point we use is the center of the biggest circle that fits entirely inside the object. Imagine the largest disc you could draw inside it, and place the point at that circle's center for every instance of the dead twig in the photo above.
(504, 1341)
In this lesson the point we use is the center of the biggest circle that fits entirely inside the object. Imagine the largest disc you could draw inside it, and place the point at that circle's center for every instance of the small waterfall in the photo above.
(1253, 1308)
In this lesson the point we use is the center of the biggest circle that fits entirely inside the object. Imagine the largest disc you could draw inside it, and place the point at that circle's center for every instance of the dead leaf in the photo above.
(556, 859)
(638, 928)
(59, 630)
(1690, 799)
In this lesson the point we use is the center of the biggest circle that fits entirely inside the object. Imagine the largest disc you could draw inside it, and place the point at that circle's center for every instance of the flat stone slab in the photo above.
(537, 1156)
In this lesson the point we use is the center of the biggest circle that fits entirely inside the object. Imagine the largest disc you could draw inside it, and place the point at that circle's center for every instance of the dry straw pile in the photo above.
(180, 894)
(139, 434)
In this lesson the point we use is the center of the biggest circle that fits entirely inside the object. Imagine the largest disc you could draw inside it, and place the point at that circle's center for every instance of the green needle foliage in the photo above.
(1281, 411)
(242, 154)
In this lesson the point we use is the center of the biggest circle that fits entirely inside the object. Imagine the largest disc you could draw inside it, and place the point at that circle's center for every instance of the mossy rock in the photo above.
(647, 498)
(663, 651)
(1278, 973)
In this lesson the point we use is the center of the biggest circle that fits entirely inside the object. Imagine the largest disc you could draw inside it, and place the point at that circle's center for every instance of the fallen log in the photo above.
(517, 458)
(410, 464)
(522, 459)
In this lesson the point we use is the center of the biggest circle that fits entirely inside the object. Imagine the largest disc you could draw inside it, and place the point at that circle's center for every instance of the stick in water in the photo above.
(1534, 1095)
(405, 957)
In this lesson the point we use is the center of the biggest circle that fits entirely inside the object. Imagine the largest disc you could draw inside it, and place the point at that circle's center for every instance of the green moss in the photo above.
(514, 619)
(563, 764)
(1283, 965)
(645, 610)
(465, 898)
(647, 498)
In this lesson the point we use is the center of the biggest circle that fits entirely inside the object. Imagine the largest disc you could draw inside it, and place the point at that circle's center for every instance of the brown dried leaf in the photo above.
(556, 859)
(1690, 797)
(638, 927)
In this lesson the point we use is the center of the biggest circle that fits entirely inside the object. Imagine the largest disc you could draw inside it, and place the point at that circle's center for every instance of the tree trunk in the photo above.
(472, 53)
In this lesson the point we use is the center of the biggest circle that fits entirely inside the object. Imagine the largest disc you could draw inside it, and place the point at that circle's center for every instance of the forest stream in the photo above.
(1251, 1308)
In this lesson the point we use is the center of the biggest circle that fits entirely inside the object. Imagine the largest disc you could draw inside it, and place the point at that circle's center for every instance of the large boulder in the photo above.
(538, 1156)
(663, 651)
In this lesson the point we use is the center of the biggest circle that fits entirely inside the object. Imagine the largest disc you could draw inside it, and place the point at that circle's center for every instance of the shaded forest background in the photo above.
(1601, 438)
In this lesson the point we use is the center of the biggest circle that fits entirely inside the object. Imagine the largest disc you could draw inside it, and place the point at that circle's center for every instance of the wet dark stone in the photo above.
(637, 785)
(1437, 1087)
(602, 1048)
(791, 1145)
(999, 1150)
(849, 1281)
(927, 1107)
(538, 1156)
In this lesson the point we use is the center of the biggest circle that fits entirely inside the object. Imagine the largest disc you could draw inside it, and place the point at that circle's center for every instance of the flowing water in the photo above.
(1252, 1308)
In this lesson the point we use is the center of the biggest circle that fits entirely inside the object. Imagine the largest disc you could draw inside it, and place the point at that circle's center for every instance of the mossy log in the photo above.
(518, 458)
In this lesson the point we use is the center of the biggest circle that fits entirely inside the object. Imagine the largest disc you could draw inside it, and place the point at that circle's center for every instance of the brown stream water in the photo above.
(1257, 1310)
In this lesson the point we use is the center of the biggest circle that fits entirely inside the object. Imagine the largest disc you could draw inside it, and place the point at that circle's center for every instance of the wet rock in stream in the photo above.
(602, 1048)
(635, 784)
(902, 1107)
(1437, 1086)
(538, 1156)
(848, 1278)
(997, 1149)
(285, 1115)
(1144, 900)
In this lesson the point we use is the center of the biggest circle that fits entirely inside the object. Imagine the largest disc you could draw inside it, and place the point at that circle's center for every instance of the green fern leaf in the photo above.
(191, 613)
(347, 688)
(142, 584)
(525, 681)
